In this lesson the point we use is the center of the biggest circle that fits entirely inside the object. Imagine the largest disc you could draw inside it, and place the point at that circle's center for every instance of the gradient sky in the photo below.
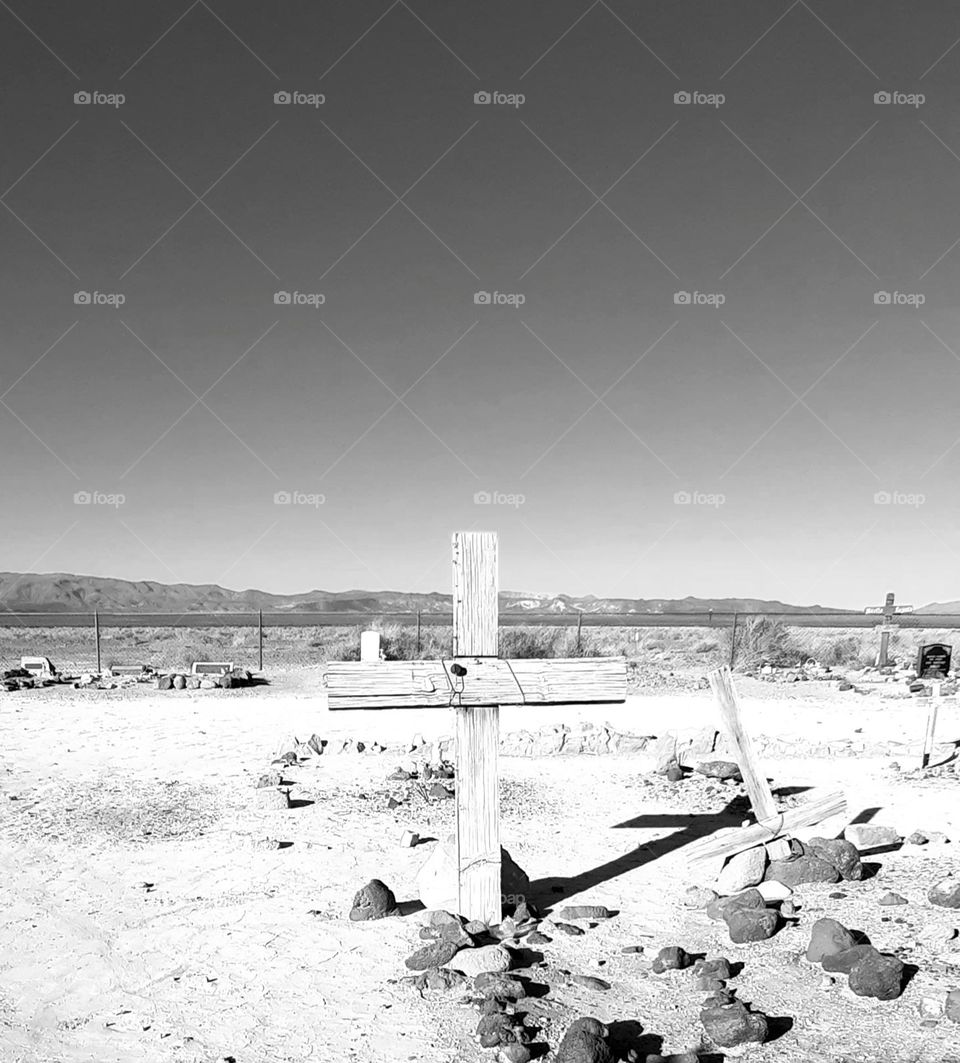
(598, 400)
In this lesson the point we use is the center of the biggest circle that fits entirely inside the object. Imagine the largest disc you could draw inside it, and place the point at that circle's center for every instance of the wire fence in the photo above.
(258, 640)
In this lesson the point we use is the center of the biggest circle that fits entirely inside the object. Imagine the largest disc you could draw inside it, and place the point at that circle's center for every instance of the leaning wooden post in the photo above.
(931, 724)
(475, 605)
(761, 798)
(96, 635)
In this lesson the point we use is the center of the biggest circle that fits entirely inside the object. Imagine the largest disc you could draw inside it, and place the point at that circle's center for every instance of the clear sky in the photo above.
(584, 399)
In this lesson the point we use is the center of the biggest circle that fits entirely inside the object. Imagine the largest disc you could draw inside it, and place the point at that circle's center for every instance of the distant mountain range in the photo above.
(61, 592)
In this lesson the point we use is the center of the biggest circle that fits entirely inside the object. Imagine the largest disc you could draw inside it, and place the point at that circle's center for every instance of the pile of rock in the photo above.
(238, 677)
(22, 679)
(870, 973)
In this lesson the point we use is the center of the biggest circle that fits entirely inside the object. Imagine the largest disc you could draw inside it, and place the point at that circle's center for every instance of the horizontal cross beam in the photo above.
(486, 681)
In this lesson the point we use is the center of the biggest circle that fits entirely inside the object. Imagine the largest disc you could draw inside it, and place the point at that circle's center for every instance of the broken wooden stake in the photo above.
(761, 797)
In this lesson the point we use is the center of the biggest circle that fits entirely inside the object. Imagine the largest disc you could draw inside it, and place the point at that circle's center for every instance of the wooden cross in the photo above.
(889, 612)
(475, 682)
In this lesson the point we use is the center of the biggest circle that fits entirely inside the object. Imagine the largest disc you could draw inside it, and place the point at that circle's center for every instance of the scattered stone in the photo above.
(585, 911)
(877, 976)
(718, 968)
(774, 892)
(271, 797)
(435, 954)
(487, 959)
(788, 909)
(499, 1029)
(732, 1024)
(674, 773)
(585, 1042)
(827, 938)
(870, 835)
(179, 682)
(476, 928)
(630, 950)
(536, 938)
(569, 929)
(589, 982)
(500, 985)
(839, 852)
(373, 901)
(748, 899)
(720, 769)
(751, 924)
(845, 961)
(951, 1006)
(698, 897)
(671, 958)
(932, 1005)
(945, 893)
(742, 870)
(799, 869)
(889, 899)
(514, 1054)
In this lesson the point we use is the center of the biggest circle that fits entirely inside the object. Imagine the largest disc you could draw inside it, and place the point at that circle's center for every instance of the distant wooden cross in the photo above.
(475, 682)
(888, 626)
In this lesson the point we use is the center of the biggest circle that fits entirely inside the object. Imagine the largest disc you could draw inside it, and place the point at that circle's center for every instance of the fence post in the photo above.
(260, 635)
(418, 633)
(733, 642)
(96, 635)
(579, 629)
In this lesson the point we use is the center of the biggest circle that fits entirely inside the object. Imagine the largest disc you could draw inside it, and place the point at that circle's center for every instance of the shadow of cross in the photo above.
(547, 891)
(475, 683)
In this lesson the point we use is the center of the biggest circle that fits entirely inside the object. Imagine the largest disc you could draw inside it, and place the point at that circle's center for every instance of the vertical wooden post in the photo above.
(96, 635)
(418, 634)
(931, 724)
(475, 604)
(579, 630)
(888, 615)
(260, 636)
(733, 642)
(761, 798)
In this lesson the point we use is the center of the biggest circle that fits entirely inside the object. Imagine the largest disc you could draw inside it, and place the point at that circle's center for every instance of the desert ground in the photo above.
(145, 916)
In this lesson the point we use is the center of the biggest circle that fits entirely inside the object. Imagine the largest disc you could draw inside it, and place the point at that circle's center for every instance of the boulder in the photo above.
(839, 852)
(732, 1024)
(870, 835)
(584, 911)
(720, 769)
(845, 961)
(751, 924)
(748, 899)
(742, 870)
(208, 684)
(179, 682)
(774, 892)
(165, 682)
(952, 1005)
(433, 955)
(698, 897)
(799, 869)
(585, 1042)
(877, 976)
(373, 901)
(671, 958)
(945, 893)
(437, 878)
(489, 959)
(827, 938)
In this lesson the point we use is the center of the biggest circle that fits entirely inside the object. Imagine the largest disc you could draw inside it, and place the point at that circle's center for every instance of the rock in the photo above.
(870, 835)
(720, 769)
(732, 1025)
(748, 899)
(839, 852)
(718, 968)
(589, 982)
(208, 684)
(192, 682)
(476, 928)
(698, 897)
(877, 976)
(271, 797)
(498, 1029)
(889, 899)
(917, 838)
(569, 929)
(373, 901)
(536, 938)
(951, 1006)
(936, 935)
(435, 954)
(488, 959)
(788, 909)
(437, 878)
(632, 950)
(514, 1054)
(165, 682)
(671, 958)
(751, 924)
(845, 961)
(674, 773)
(774, 892)
(585, 1042)
(437, 789)
(932, 1005)
(179, 682)
(827, 938)
(945, 893)
(584, 911)
(443, 979)
(799, 869)
(500, 985)
(706, 984)
(742, 870)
